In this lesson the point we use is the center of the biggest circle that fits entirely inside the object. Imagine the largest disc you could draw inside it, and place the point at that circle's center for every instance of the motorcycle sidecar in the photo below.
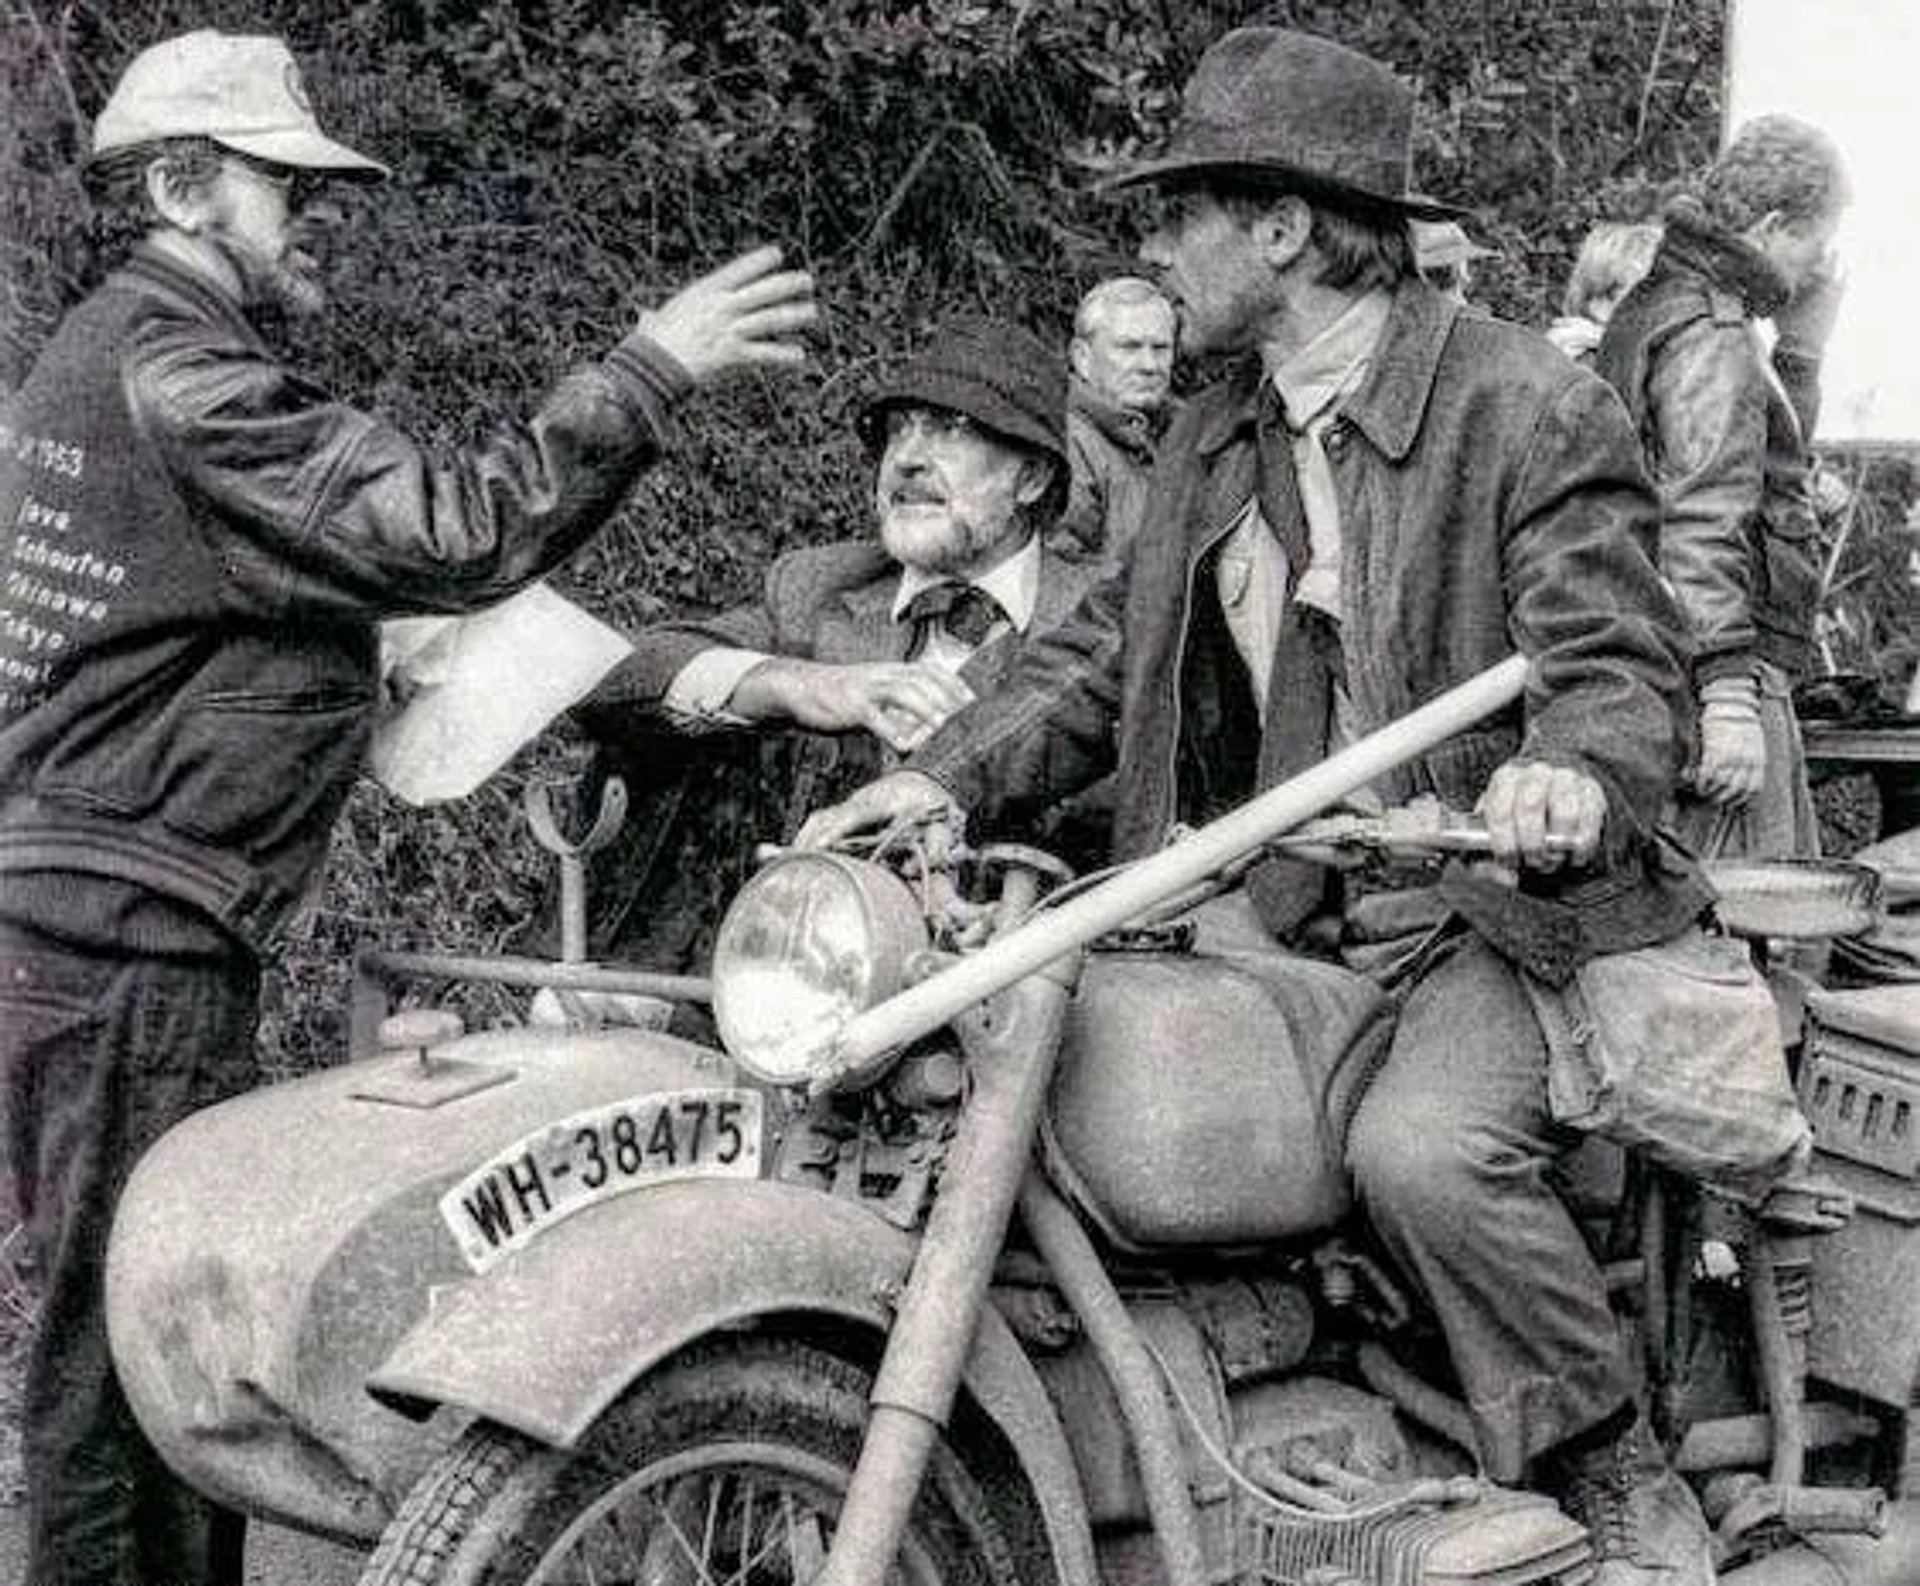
(269, 1251)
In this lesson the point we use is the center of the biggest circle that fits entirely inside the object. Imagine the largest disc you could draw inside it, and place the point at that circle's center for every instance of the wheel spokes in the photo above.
(732, 1519)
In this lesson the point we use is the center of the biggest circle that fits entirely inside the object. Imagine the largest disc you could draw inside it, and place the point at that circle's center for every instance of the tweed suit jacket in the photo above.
(831, 603)
(706, 796)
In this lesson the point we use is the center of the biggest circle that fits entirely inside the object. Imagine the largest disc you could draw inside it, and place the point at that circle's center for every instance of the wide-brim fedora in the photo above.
(1292, 109)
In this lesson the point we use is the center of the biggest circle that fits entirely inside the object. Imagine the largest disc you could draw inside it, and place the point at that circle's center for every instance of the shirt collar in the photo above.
(1013, 581)
(1334, 362)
(1392, 399)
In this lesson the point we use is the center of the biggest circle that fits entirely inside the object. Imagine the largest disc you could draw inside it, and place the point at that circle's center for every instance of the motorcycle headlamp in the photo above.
(808, 943)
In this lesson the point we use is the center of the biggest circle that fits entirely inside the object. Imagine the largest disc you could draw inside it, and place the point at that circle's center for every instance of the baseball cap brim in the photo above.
(1175, 167)
(305, 150)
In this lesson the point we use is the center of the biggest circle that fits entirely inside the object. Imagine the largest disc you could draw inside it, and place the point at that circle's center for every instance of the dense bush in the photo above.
(560, 164)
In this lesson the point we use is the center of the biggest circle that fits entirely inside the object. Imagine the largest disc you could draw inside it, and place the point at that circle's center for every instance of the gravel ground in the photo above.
(275, 1557)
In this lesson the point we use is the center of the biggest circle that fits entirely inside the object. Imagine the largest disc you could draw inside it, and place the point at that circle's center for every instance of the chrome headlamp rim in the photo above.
(781, 926)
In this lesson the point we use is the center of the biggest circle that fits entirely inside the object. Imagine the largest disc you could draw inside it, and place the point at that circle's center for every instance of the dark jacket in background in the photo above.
(1110, 454)
(1726, 446)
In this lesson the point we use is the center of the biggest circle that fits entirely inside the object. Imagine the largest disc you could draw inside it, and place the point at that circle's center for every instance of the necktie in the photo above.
(1306, 663)
(966, 611)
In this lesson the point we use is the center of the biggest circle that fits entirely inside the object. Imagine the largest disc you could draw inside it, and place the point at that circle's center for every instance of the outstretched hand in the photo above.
(746, 313)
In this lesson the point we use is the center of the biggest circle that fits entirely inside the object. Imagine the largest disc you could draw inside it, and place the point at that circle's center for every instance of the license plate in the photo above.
(579, 1161)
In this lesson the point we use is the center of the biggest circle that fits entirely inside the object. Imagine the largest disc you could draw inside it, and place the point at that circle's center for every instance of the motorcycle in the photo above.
(1006, 1241)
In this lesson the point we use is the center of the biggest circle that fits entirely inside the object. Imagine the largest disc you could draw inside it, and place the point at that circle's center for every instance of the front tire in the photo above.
(728, 1465)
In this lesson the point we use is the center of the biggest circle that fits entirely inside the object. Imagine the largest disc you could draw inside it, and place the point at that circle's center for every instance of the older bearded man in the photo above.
(188, 681)
(866, 644)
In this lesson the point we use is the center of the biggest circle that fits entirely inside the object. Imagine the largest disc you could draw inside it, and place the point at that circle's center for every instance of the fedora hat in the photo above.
(1275, 105)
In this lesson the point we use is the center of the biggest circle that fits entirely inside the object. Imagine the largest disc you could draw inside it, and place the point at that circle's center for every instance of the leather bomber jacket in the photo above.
(201, 546)
(1724, 441)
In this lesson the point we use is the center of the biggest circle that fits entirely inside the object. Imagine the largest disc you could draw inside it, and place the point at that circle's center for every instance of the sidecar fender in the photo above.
(545, 1341)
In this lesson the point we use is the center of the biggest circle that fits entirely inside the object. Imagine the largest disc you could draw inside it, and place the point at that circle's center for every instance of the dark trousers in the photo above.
(100, 1053)
(1451, 1151)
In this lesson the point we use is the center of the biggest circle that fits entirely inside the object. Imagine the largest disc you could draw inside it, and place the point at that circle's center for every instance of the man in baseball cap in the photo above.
(233, 106)
(1381, 499)
(243, 92)
(205, 543)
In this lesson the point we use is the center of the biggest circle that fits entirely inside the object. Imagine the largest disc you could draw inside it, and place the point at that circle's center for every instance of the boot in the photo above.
(1646, 1525)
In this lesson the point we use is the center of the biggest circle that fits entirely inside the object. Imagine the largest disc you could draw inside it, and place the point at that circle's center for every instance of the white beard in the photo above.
(932, 540)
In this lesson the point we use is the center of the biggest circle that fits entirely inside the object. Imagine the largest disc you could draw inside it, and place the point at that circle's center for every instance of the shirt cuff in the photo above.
(697, 697)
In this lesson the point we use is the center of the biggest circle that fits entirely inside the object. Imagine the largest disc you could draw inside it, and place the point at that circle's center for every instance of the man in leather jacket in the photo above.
(203, 543)
(1726, 425)
(1390, 494)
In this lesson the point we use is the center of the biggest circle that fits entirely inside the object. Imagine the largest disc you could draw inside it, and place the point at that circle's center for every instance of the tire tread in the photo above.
(437, 1514)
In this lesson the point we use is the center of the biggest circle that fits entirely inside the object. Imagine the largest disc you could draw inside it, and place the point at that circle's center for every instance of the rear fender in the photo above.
(546, 1340)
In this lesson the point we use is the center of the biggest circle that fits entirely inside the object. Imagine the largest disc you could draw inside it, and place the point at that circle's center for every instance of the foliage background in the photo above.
(561, 163)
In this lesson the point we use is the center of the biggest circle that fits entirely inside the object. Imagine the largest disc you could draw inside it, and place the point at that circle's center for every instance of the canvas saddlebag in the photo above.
(1675, 1050)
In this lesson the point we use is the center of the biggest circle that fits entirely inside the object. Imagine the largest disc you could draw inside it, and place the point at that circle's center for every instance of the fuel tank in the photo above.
(268, 1252)
(1199, 1098)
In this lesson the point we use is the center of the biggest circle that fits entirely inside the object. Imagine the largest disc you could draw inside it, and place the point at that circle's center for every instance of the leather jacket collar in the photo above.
(148, 269)
(1725, 258)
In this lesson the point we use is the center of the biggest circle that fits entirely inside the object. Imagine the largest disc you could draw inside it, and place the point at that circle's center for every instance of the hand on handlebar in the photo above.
(1542, 816)
(898, 798)
(747, 312)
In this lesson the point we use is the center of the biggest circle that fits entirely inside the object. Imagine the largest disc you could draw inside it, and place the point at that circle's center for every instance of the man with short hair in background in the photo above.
(1385, 496)
(204, 542)
(1119, 400)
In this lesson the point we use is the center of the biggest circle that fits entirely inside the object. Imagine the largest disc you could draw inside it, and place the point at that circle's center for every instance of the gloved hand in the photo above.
(1733, 748)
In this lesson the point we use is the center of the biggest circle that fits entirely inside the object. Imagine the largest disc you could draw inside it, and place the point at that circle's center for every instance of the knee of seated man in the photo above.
(1434, 1169)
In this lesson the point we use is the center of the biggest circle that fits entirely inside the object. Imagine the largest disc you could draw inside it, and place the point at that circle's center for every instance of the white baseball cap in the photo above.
(241, 91)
